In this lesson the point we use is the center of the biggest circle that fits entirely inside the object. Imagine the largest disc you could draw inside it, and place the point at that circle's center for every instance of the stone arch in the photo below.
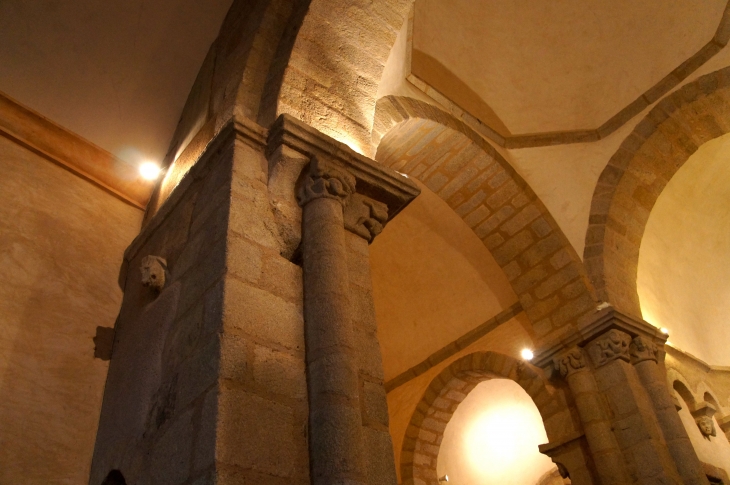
(336, 63)
(426, 143)
(637, 174)
(449, 389)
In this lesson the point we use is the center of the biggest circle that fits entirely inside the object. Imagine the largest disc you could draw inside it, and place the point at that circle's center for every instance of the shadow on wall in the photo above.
(115, 477)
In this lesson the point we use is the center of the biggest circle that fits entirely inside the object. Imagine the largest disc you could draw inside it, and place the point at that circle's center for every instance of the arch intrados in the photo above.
(457, 164)
(447, 390)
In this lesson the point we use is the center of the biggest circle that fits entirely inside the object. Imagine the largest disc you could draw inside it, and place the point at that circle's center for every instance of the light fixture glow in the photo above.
(664, 331)
(527, 354)
(402, 174)
(445, 478)
(149, 170)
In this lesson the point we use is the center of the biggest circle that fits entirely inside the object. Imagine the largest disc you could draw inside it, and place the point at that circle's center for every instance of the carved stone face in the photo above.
(153, 272)
(707, 427)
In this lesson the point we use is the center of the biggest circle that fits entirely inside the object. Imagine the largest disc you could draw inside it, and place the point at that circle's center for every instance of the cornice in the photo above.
(58, 145)
(373, 180)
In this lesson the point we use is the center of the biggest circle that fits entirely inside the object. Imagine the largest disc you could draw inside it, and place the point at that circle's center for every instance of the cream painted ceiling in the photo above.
(543, 66)
(116, 72)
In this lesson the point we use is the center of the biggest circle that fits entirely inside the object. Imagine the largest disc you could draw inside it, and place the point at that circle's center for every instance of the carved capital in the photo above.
(571, 362)
(365, 217)
(612, 345)
(325, 180)
(642, 349)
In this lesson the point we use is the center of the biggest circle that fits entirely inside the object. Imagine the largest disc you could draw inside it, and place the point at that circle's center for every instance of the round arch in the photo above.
(637, 174)
(428, 144)
(448, 389)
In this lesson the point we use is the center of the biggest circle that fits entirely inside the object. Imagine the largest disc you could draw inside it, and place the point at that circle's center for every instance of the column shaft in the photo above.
(680, 447)
(335, 434)
(607, 457)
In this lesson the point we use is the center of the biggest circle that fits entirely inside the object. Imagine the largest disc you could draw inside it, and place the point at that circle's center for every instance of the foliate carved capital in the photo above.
(571, 362)
(612, 345)
(325, 180)
(642, 349)
(365, 216)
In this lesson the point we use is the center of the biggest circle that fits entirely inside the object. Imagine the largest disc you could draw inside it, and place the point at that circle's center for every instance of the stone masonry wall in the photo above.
(207, 382)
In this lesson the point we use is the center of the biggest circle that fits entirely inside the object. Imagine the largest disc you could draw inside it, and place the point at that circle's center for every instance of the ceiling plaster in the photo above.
(525, 67)
(115, 72)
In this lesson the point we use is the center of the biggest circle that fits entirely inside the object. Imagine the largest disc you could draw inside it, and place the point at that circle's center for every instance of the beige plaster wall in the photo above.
(551, 66)
(684, 260)
(714, 450)
(433, 281)
(493, 437)
(61, 244)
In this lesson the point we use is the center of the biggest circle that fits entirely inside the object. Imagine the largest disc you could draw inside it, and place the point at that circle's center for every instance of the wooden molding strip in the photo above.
(59, 145)
(653, 94)
(454, 347)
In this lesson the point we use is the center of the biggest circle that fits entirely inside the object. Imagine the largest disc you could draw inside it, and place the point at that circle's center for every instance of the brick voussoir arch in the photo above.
(426, 143)
(636, 175)
(447, 390)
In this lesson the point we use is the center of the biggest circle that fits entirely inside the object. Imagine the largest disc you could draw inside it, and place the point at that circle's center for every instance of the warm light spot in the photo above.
(402, 174)
(527, 354)
(149, 170)
(497, 440)
(445, 478)
(664, 331)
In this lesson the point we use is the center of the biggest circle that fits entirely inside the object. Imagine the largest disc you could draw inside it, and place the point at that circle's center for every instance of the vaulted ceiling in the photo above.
(531, 67)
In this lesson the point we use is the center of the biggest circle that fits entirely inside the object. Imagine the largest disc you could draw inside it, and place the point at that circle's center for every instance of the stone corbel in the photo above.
(703, 412)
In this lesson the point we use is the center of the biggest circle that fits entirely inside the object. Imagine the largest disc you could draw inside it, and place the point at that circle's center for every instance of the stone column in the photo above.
(606, 454)
(644, 356)
(633, 420)
(335, 431)
(346, 200)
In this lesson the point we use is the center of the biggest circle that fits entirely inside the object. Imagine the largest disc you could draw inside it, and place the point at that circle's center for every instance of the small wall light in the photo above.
(527, 354)
(149, 170)
(664, 331)
(445, 478)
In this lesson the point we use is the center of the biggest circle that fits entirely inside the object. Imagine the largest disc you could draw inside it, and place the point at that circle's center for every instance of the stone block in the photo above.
(379, 460)
(280, 373)
(263, 315)
(255, 433)
(375, 402)
(244, 259)
(236, 358)
(172, 454)
(198, 373)
(205, 440)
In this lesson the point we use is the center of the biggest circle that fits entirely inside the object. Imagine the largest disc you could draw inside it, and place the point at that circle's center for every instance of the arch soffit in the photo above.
(636, 175)
(424, 142)
(448, 389)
